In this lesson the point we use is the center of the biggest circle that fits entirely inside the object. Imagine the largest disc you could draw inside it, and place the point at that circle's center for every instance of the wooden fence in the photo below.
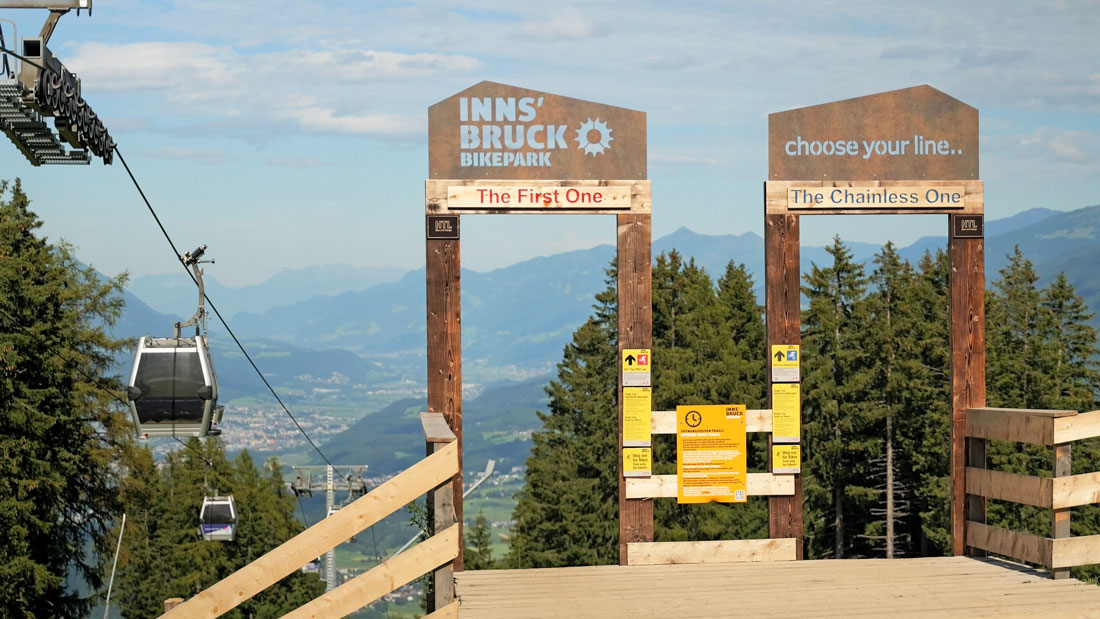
(721, 551)
(432, 475)
(1059, 493)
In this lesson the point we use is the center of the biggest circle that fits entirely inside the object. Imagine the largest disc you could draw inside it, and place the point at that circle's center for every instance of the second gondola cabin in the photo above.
(173, 390)
(218, 519)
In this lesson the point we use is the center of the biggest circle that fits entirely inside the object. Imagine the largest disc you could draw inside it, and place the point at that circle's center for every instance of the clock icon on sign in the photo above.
(693, 419)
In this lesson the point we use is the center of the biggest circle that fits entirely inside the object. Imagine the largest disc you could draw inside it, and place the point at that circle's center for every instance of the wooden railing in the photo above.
(724, 551)
(1059, 493)
(432, 475)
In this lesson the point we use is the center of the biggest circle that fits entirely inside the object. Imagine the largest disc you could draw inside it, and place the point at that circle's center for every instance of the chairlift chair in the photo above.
(302, 485)
(218, 518)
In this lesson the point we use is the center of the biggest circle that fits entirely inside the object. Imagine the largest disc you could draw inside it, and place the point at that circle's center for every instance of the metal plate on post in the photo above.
(442, 226)
(967, 226)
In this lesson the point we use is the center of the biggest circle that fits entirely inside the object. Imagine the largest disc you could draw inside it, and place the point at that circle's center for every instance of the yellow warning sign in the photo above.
(785, 360)
(786, 412)
(710, 453)
(786, 458)
(636, 367)
(637, 462)
(637, 409)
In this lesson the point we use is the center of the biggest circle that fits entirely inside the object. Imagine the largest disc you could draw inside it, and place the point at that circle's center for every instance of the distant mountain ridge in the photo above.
(520, 316)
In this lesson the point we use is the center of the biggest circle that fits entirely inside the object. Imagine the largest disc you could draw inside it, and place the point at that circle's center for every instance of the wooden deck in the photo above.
(943, 586)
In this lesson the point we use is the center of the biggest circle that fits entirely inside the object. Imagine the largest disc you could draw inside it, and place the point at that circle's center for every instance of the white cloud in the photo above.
(206, 156)
(568, 23)
(259, 88)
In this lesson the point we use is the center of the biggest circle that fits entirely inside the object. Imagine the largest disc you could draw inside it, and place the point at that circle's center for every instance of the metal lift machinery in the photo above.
(38, 87)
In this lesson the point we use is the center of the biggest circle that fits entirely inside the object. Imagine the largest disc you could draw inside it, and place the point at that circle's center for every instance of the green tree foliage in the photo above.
(163, 555)
(876, 406)
(567, 513)
(59, 422)
(839, 436)
(708, 347)
(479, 553)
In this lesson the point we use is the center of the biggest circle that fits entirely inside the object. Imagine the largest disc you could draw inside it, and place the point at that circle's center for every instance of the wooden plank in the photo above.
(1025, 489)
(1009, 424)
(383, 579)
(784, 326)
(443, 268)
(975, 501)
(724, 551)
(1074, 490)
(664, 486)
(967, 313)
(449, 611)
(435, 428)
(1073, 551)
(258, 575)
(1060, 517)
(635, 284)
(756, 420)
(1019, 546)
(441, 516)
(777, 202)
(1076, 428)
(438, 194)
(1030, 412)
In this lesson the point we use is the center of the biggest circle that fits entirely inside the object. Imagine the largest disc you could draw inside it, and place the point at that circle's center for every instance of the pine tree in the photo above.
(59, 421)
(479, 552)
(838, 441)
(924, 429)
(698, 338)
(567, 513)
(163, 555)
(1018, 375)
(890, 336)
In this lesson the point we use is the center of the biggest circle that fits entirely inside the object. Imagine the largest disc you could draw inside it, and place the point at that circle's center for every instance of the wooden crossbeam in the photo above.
(723, 551)
(382, 579)
(1019, 546)
(253, 578)
(1024, 489)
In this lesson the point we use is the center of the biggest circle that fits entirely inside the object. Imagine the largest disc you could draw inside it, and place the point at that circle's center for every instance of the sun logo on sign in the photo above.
(594, 137)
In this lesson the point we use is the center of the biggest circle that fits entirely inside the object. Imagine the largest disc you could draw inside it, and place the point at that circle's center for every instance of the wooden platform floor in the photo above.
(928, 587)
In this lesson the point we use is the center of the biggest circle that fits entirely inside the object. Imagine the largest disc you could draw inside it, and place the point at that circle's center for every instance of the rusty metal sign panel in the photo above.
(909, 134)
(495, 131)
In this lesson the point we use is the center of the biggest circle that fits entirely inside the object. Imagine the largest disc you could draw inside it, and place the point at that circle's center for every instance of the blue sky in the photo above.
(288, 134)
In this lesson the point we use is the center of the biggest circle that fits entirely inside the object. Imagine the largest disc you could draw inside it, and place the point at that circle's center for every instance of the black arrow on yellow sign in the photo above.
(779, 355)
(629, 359)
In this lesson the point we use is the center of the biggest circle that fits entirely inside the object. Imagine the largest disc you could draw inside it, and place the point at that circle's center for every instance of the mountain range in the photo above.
(357, 342)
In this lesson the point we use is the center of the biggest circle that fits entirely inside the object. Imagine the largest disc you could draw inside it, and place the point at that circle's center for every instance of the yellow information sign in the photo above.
(786, 458)
(637, 462)
(637, 411)
(785, 360)
(636, 367)
(786, 412)
(710, 454)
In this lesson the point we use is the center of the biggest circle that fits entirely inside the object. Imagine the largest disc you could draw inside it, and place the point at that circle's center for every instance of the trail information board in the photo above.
(710, 454)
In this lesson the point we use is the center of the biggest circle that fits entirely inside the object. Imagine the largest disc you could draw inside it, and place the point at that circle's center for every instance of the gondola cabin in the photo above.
(218, 519)
(173, 390)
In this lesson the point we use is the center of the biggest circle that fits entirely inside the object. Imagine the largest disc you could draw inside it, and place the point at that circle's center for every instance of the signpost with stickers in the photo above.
(499, 149)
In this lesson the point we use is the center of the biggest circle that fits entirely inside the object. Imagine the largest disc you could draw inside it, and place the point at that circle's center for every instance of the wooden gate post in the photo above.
(444, 303)
(967, 277)
(784, 326)
(635, 284)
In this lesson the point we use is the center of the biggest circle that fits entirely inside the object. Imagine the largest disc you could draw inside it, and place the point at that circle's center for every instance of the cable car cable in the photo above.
(214, 308)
